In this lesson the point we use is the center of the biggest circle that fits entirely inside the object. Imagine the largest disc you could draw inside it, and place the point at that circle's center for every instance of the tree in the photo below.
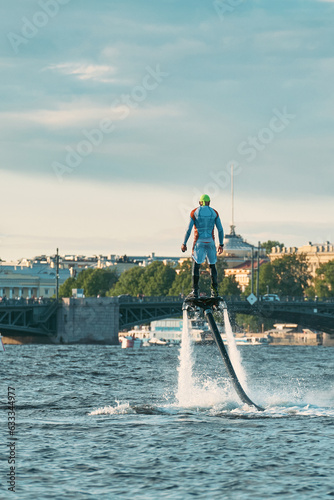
(267, 281)
(310, 291)
(82, 277)
(99, 282)
(154, 280)
(130, 282)
(228, 287)
(65, 290)
(221, 266)
(324, 280)
(252, 323)
(93, 281)
(291, 274)
(183, 282)
(268, 245)
(287, 275)
(157, 279)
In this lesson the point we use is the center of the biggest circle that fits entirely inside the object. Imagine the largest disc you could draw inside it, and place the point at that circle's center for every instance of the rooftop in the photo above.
(248, 264)
(235, 244)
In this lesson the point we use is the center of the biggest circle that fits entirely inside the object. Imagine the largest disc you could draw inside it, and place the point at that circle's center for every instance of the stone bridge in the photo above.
(98, 320)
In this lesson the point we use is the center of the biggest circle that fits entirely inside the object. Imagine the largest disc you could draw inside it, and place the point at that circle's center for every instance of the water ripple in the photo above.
(111, 425)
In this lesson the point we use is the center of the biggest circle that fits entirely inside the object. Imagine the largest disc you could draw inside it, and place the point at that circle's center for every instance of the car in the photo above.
(270, 297)
(125, 297)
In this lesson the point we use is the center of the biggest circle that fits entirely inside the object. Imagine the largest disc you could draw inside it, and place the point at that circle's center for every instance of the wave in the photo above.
(228, 409)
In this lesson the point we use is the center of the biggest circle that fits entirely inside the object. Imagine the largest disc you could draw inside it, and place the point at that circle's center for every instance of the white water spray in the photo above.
(190, 393)
(186, 383)
(233, 352)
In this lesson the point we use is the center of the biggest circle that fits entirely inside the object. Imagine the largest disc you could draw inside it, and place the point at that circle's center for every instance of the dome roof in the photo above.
(235, 244)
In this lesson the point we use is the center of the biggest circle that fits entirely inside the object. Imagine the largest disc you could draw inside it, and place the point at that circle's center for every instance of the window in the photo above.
(46, 290)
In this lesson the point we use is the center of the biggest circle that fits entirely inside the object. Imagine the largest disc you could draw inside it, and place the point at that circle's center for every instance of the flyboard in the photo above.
(207, 304)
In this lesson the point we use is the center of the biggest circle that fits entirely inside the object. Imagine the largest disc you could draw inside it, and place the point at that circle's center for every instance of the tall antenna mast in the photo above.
(232, 201)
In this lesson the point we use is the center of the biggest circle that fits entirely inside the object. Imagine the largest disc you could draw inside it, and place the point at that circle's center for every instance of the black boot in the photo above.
(214, 281)
(194, 293)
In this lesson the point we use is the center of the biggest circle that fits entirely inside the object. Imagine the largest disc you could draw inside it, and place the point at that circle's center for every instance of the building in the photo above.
(238, 255)
(33, 281)
(292, 334)
(148, 259)
(316, 254)
(236, 250)
(36, 277)
(243, 272)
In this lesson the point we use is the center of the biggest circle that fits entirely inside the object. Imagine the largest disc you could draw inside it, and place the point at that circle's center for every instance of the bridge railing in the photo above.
(161, 299)
(230, 298)
(165, 298)
(25, 302)
(290, 298)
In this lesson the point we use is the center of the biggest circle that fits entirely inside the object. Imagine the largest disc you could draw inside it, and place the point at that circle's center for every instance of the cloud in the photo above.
(100, 73)
(67, 115)
(84, 113)
(225, 80)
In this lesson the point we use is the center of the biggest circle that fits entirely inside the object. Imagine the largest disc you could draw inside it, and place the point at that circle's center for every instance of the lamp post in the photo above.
(258, 271)
(252, 269)
(57, 275)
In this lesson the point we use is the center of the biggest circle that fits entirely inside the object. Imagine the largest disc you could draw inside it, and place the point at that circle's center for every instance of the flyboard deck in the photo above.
(207, 304)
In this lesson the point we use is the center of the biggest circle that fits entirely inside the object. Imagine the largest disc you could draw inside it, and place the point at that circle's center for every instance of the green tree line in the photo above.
(287, 275)
(94, 282)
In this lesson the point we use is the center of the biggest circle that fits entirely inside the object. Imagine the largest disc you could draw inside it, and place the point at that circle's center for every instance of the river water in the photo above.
(99, 422)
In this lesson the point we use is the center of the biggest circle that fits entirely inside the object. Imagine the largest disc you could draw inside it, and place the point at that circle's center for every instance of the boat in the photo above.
(245, 340)
(260, 340)
(170, 330)
(143, 332)
(159, 342)
(130, 342)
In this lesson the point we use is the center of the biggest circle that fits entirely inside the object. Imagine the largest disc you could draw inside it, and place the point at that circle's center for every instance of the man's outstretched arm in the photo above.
(220, 235)
(187, 235)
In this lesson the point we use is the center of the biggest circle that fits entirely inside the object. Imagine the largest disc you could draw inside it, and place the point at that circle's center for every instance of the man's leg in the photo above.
(214, 280)
(198, 258)
(212, 259)
(195, 278)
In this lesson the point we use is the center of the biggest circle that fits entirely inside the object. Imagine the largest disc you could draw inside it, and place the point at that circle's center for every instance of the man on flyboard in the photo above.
(204, 218)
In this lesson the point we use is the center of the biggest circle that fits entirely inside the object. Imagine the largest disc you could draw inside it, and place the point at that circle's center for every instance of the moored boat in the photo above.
(130, 342)
(249, 340)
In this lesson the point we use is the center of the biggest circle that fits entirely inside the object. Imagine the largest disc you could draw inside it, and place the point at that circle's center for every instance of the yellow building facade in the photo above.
(316, 254)
(243, 273)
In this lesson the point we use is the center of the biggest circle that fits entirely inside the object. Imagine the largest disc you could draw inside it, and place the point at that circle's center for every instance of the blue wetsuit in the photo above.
(204, 219)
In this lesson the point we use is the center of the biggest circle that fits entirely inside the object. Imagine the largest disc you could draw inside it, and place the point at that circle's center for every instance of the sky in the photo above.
(116, 116)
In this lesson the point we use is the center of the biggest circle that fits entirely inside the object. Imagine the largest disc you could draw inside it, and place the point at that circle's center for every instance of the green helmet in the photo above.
(204, 198)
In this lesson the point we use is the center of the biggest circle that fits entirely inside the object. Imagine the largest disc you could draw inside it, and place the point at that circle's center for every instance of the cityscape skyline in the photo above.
(112, 130)
(25, 259)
